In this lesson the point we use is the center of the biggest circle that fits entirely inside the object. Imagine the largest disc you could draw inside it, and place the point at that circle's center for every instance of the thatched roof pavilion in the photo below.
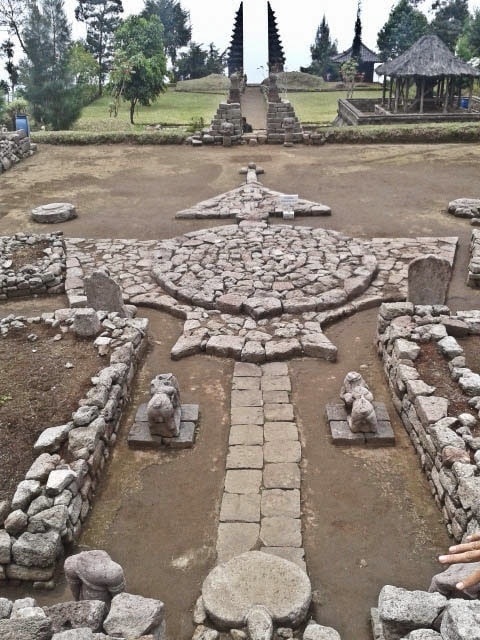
(437, 74)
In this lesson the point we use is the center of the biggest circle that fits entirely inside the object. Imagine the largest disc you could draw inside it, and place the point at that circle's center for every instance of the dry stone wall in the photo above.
(51, 504)
(45, 275)
(449, 452)
(14, 147)
(473, 278)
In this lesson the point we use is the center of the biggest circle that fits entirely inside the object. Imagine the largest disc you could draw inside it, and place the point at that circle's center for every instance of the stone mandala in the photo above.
(264, 270)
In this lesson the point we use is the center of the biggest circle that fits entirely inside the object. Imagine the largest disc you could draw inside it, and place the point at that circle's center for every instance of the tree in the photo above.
(84, 70)
(139, 62)
(102, 18)
(472, 35)
(322, 51)
(405, 25)
(357, 38)
(7, 49)
(176, 24)
(13, 16)
(47, 80)
(192, 63)
(216, 61)
(449, 20)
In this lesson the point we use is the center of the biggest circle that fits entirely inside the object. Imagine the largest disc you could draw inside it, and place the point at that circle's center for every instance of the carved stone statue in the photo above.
(164, 410)
(93, 575)
(358, 401)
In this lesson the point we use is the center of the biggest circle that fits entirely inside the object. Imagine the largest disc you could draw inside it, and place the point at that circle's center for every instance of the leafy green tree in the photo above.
(102, 18)
(192, 63)
(216, 61)
(405, 25)
(139, 63)
(7, 50)
(176, 24)
(13, 16)
(84, 70)
(322, 51)
(45, 74)
(449, 20)
(471, 35)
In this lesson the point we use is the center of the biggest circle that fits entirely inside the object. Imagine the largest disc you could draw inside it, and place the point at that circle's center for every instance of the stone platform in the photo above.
(342, 435)
(140, 437)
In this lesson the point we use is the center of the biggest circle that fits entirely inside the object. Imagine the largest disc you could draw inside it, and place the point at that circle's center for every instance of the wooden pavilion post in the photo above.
(384, 90)
(397, 95)
(390, 95)
(447, 94)
(422, 94)
(470, 94)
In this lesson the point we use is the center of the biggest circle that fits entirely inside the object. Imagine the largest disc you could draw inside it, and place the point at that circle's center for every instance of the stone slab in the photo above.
(246, 415)
(280, 431)
(276, 383)
(246, 434)
(240, 507)
(275, 369)
(280, 531)
(246, 369)
(282, 451)
(184, 440)
(235, 538)
(245, 457)
(278, 412)
(246, 398)
(282, 475)
(341, 434)
(246, 382)
(243, 481)
(139, 437)
(384, 437)
(276, 397)
(280, 502)
(190, 412)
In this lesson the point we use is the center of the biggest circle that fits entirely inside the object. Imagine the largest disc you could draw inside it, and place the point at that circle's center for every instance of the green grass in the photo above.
(321, 107)
(171, 108)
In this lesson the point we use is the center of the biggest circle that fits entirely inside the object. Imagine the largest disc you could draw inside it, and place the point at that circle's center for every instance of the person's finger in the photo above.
(469, 581)
(466, 556)
(466, 546)
(473, 537)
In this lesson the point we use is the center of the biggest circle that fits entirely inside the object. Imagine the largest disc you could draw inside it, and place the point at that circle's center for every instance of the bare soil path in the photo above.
(369, 518)
(254, 107)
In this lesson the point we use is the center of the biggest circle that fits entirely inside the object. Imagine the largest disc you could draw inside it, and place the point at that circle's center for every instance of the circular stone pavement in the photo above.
(264, 270)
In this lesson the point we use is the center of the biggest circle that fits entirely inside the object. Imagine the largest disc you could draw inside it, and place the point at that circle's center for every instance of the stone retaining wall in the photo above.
(50, 506)
(276, 113)
(448, 451)
(42, 276)
(129, 616)
(473, 279)
(13, 148)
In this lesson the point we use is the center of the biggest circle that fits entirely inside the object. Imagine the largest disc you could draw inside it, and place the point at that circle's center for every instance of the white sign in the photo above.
(288, 202)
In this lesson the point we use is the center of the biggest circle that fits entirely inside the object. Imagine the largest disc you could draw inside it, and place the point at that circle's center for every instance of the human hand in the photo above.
(466, 552)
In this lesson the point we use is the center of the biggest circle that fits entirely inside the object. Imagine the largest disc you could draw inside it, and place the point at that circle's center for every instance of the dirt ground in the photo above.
(368, 515)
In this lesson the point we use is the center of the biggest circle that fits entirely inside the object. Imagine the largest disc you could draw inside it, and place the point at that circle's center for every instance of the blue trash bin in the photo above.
(464, 103)
(21, 122)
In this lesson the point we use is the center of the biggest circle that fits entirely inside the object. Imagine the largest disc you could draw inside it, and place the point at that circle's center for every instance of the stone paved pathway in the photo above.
(261, 499)
(254, 107)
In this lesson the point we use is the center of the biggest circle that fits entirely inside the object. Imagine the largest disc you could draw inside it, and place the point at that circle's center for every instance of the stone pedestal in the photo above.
(140, 436)
(337, 418)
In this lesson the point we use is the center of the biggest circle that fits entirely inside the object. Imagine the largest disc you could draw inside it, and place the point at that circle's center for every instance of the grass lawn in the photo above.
(172, 107)
(321, 108)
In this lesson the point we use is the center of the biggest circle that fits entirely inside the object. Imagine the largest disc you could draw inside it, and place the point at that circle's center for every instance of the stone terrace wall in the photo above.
(13, 148)
(473, 278)
(449, 453)
(42, 276)
(52, 503)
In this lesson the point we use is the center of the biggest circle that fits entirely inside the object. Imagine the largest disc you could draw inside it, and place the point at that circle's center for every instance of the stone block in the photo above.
(281, 531)
(246, 398)
(246, 434)
(86, 323)
(276, 383)
(243, 383)
(246, 415)
(402, 611)
(245, 457)
(282, 451)
(275, 369)
(280, 502)
(235, 538)
(243, 481)
(73, 615)
(278, 412)
(246, 369)
(343, 436)
(134, 616)
(276, 397)
(430, 409)
(461, 620)
(185, 438)
(384, 437)
(282, 475)
(240, 507)
(428, 280)
(280, 431)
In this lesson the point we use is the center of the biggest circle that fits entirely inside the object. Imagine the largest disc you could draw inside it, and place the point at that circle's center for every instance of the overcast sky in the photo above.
(212, 21)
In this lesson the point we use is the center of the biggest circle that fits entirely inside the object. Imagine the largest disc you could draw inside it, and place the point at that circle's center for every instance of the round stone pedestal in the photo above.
(54, 212)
